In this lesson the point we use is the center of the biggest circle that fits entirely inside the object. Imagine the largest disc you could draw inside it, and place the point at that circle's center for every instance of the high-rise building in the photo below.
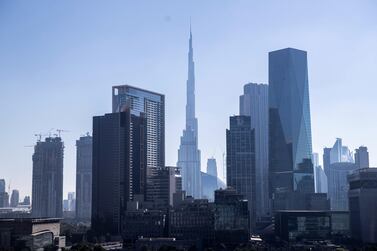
(290, 140)
(363, 204)
(212, 167)
(338, 163)
(47, 192)
(119, 166)
(84, 177)
(15, 198)
(151, 105)
(4, 199)
(320, 177)
(338, 185)
(362, 157)
(188, 152)
(2, 186)
(240, 165)
(254, 103)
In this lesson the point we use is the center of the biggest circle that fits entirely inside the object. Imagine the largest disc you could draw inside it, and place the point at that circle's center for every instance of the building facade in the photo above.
(254, 103)
(362, 157)
(363, 204)
(188, 152)
(240, 161)
(84, 177)
(15, 198)
(290, 140)
(119, 167)
(338, 185)
(150, 105)
(47, 191)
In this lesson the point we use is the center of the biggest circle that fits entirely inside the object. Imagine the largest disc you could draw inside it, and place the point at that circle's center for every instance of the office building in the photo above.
(320, 178)
(317, 225)
(165, 186)
(212, 167)
(119, 167)
(231, 218)
(4, 199)
(2, 186)
(363, 204)
(47, 192)
(209, 185)
(240, 165)
(290, 140)
(362, 157)
(338, 185)
(84, 177)
(188, 152)
(150, 105)
(15, 198)
(254, 103)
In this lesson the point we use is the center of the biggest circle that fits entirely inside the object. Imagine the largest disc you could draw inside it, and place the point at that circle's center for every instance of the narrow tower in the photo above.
(188, 152)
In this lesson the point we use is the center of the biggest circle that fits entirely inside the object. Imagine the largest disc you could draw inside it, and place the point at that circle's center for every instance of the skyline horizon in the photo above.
(56, 90)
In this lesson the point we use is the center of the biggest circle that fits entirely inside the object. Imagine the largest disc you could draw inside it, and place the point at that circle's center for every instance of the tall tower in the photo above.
(47, 193)
(254, 103)
(290, 141)
(84, 177)
(188, 152)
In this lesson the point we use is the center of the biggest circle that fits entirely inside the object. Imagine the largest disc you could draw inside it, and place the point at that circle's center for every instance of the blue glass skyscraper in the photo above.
(290, 140)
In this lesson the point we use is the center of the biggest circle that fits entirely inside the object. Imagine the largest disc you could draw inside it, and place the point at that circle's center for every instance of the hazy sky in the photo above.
(59, 59)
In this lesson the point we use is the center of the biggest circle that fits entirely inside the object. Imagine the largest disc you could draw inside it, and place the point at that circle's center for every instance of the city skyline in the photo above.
(329, 90)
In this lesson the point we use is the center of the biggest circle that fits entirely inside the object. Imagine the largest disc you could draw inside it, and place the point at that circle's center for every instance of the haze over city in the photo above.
(59, 61)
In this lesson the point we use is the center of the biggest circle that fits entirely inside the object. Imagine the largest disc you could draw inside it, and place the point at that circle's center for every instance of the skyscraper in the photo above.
(152, 106)
(2, 186)
(15, 198)
(362, 157)
(363, 204)
(338, 163)
(188, 152)
(47, 192)
(212, 167)
(254, 103)
(84, 177)
(119, 166)
(240, 160)
(290, 140)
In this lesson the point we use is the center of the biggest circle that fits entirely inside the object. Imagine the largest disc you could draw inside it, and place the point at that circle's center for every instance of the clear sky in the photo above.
(59, 59)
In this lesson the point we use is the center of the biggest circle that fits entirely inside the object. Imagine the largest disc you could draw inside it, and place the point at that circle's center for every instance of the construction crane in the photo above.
(60, 131)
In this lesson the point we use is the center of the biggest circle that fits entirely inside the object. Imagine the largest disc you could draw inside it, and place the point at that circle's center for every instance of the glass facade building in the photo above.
(290, 140)
(240, 160)
(152, 105)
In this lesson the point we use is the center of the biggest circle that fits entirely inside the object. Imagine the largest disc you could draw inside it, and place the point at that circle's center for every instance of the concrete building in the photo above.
(363, 204)
(84, 177)
(290, 140)
(15, 198)
(47, 192)
(254, 103)
(119, 167)
(240, 165)
(188, 152)
(151, 106)
(362, 157)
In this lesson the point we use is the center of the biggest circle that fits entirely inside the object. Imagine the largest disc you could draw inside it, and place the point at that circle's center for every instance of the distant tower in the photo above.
(254, 103)
(47, 194)
(84, 177)
(15, 198)
(212, 167)
(362, 157)
(188, 152)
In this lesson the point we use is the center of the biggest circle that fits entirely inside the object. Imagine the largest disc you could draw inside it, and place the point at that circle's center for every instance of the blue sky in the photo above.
(59, 59)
